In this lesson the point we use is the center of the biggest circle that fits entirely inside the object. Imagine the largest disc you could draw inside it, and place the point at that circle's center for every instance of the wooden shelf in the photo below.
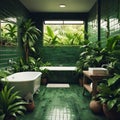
(95, 79)
(88, 87)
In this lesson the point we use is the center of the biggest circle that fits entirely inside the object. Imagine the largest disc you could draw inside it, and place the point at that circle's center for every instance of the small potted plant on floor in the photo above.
(44, 76)
(11, 104)
(109, 95)
(95, 105)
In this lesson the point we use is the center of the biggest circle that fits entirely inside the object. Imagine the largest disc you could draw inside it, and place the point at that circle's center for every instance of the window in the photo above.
(8, 32)
(63, 33)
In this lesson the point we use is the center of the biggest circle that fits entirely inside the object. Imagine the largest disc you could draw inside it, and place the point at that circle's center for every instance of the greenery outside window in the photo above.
(8, 32)
(60, 33)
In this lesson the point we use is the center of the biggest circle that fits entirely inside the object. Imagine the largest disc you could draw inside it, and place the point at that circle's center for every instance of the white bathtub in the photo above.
(25, 82)
(59, 68)
(61, 74)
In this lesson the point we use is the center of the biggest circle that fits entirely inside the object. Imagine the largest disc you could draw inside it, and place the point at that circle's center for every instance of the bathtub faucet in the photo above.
(104, 65)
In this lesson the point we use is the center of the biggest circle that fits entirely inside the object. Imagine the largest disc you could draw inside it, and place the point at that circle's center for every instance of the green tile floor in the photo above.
(61, 104)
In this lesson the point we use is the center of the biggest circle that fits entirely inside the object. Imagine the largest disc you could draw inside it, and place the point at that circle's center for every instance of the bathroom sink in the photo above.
(97, 70)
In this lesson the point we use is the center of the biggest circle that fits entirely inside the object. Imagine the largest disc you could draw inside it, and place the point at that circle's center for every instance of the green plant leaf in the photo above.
(50, 32)
(113, 80)
(99, 58)
(111, 103)
(10, 102)
(17, 105)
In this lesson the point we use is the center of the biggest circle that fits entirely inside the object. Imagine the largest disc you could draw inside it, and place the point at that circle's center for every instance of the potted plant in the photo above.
(44, 76)
(95, 105)
(109, 96)
(30, 34)
(113, 47)
(91, 55)
(11, 104)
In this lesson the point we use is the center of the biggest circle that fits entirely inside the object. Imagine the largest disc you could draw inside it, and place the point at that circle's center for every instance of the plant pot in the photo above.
(111, 114)
(96, 106)
(44, 81)
(30, 106)
(80, 82)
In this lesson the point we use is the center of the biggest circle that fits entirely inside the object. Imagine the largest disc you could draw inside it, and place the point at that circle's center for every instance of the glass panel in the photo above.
(8, 32)
(63, 33)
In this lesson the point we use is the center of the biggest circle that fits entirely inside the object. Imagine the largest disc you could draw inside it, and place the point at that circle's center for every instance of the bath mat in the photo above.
(58, 85)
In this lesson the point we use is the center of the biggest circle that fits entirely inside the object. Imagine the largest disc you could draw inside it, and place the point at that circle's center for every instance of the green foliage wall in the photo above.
(60, 55)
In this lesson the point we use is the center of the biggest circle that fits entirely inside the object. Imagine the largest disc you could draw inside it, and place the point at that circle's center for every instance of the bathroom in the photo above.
(100, 21)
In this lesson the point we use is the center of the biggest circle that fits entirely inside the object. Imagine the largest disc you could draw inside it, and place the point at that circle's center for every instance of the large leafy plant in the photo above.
(30, 34)
(20, 65)
(32, 64)
(11, 104)
(91, 55)
(109, 92)
(113, 48)
(11, 32)
(50, 37)
(3, 74)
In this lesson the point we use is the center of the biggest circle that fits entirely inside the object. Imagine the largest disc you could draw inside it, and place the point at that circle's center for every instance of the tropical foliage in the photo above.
(109, 88)
(3, 74)
(8, 34)
(109, 92)
(32, 64)
(91, 55)
(113, 48)
(11, 104)
(30, 34)
(63, 34)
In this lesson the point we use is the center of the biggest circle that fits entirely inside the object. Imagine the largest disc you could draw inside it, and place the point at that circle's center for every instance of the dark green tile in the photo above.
(61, 104)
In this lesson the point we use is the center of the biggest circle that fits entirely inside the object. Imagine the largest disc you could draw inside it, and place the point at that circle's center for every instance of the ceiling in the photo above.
(53, 5)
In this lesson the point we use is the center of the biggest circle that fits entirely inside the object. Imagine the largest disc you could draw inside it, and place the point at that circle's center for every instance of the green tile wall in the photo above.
(92, 30)
(63, 77)
(109, 22)
(104, 32)
(10, 8)
(60, 55)
(110, 11)
(7, 53)
(93, 24)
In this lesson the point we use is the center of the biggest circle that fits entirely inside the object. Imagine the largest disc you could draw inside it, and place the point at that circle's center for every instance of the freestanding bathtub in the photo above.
(25, 82)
